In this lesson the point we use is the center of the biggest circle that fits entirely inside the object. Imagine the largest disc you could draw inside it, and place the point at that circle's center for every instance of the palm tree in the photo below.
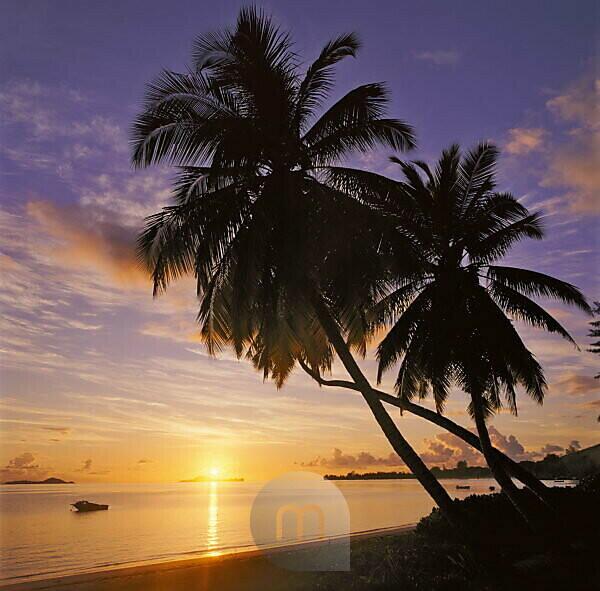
(450, 314)
(258, 215)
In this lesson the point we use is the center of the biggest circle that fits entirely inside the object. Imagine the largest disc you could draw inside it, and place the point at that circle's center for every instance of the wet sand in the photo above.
(242, 571)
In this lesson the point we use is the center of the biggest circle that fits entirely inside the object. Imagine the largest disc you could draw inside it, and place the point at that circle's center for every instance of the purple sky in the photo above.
(92, 365)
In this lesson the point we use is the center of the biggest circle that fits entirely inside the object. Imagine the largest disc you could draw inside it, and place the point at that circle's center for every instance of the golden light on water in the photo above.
(212, 533)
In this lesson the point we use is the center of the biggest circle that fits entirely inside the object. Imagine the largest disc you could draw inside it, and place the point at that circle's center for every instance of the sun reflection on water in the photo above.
(212, 533)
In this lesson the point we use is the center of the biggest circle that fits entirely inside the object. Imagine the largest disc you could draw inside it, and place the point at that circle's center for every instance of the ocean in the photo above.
(40, 537)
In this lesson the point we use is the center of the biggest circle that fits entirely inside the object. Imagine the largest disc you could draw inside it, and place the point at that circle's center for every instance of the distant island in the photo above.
(572, 465)
(462, 470)
(211, 479)
(47, 481)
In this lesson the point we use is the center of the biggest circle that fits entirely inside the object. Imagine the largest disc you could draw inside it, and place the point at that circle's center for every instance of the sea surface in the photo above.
(40, 537)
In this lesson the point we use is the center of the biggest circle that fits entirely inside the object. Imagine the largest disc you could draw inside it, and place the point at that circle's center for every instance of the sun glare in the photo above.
(214, 472)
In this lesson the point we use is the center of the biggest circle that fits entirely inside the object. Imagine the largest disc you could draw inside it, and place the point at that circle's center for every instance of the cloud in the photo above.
(550, 448)
(83, 325)
(41, 110)
(177, 330)
(575, 384)
(20, 103)
(362, 459)
(525, 140)
(578, 103)
(86, 467)
(89, 240)
(511, 446)
(23, 467)
(24, 461)
(573, 164)
(439, 57)
(447, 449)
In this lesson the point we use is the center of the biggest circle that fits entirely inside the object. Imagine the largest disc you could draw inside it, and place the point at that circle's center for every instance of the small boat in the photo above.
(461, 487)
(85, 506)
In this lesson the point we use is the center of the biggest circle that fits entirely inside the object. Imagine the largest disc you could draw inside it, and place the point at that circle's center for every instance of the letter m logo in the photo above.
(299, 512)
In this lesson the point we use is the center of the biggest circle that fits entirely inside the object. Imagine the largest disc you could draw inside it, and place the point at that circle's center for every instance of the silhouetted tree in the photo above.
(279, 250)
(450, 311)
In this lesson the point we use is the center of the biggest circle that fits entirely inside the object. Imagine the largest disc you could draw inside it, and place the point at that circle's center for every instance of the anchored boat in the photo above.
(84, 506)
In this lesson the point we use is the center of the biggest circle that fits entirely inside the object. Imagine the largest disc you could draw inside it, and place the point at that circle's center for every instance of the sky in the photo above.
(99, 382)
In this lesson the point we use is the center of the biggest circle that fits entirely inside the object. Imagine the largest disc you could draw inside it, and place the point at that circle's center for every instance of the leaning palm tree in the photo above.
(450, 317)
(258, 215)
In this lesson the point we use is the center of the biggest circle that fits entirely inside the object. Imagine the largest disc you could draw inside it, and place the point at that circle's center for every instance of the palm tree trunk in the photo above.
(524, 476)
(401, 446)
(512, 467)
(500, 474)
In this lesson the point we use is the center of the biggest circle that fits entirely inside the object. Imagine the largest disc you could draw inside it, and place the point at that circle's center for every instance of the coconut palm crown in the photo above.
(261, 201)
(451, 317)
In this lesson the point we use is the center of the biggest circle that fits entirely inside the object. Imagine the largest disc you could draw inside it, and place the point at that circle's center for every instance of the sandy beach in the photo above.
(241, 571)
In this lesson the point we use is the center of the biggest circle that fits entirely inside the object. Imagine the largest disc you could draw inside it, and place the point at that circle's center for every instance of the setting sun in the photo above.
(214, 472)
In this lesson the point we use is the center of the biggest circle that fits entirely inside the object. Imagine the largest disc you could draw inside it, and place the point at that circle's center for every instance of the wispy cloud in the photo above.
(573, 163)
(440, 57)
(85, 239)
(523, 140)
(43, 111)
(576, 384)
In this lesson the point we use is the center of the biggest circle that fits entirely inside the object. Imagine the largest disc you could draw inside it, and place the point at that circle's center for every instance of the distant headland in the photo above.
(461, 471)
(577, 465)
(47, 481)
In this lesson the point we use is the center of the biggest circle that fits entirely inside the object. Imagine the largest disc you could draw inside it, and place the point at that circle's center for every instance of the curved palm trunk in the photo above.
(512, 467)
(401, 446)
(500, 474)
(517, 471)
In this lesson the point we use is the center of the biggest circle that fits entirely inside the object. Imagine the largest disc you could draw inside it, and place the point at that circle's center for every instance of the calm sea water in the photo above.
(40, 537)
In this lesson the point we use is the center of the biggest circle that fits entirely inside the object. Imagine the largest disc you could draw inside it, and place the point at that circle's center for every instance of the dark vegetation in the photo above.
(501, 552)
(578, 464)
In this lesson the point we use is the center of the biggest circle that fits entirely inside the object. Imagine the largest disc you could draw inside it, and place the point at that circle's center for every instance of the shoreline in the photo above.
(176, 573)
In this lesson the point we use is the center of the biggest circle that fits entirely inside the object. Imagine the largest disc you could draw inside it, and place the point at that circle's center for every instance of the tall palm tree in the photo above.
(258, 215)
(451, 315)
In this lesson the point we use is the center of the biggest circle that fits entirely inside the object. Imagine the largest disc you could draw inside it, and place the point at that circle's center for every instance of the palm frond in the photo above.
(490, 246)
(318, 79)
(397, 340)
(477, 169)
(525, 309)
(532, 283)
(356, 123)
